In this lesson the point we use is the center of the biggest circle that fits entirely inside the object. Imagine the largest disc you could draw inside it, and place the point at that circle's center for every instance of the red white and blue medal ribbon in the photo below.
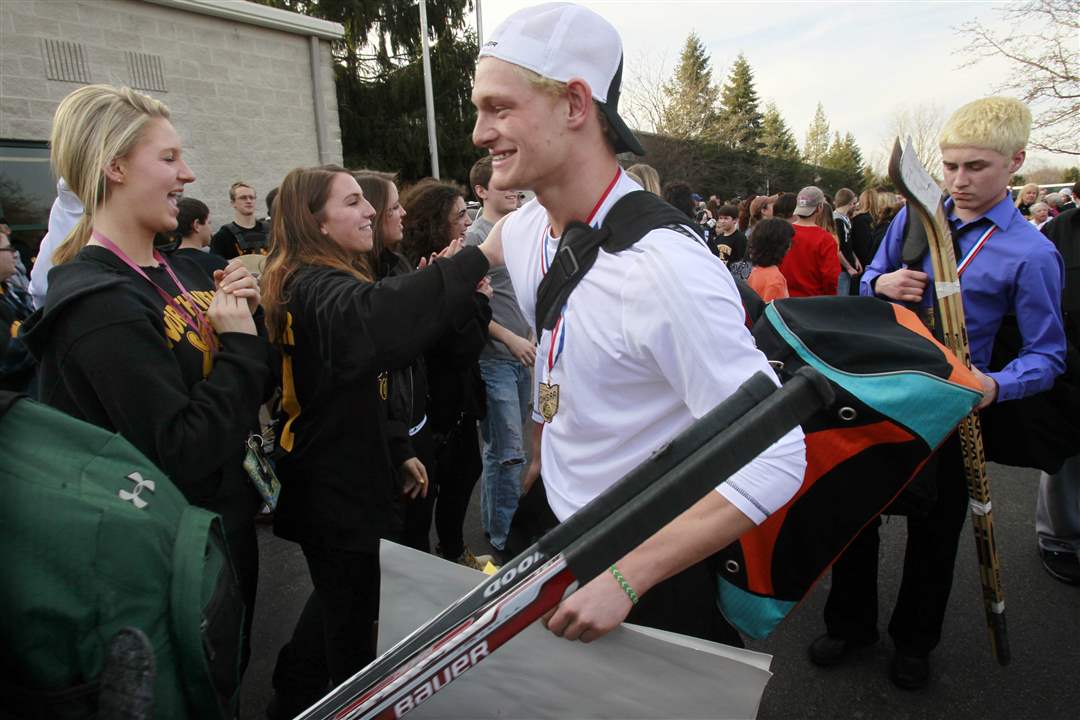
(549, 393)
(975, 250)
(945, 289)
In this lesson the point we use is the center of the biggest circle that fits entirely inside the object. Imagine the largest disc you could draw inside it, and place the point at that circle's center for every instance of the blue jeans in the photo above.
(508, 395)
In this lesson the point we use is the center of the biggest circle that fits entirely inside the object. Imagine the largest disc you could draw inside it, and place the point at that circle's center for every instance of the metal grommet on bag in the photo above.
(732, 566)
(847, 414)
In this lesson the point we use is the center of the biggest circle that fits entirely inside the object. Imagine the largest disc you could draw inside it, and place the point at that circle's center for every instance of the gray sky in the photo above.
(863, 60)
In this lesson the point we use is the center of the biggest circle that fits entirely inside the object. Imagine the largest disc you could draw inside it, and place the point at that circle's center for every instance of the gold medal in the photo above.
(549, 401)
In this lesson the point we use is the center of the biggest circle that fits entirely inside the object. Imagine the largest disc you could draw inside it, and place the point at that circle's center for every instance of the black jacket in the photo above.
(17, 365)
(112, 355)
(339, 484)
(861, 238)
(1064, 232)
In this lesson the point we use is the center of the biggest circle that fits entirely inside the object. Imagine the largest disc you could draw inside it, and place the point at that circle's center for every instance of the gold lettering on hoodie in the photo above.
(177, 329)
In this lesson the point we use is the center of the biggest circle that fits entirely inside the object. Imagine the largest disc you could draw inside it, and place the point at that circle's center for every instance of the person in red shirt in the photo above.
(812, 266)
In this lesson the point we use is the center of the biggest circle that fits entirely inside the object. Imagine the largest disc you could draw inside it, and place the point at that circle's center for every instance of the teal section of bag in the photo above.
(753, 615)
(927, 405)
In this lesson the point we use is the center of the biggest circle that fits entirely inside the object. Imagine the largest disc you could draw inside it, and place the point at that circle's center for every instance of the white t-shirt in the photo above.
(652, 339)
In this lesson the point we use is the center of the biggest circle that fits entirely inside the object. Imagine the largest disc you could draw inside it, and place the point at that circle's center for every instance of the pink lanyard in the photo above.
(198, 323)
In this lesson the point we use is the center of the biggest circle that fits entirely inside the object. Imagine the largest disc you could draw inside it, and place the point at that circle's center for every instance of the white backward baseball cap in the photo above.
(562, 41)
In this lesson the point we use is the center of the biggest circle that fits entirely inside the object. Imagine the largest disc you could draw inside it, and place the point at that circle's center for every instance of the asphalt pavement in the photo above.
(1042, 681)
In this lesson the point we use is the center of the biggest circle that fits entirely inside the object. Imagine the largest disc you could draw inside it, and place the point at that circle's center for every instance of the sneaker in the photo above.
(910, 672)
(476, 562)
(1063, 566)
(828, 651)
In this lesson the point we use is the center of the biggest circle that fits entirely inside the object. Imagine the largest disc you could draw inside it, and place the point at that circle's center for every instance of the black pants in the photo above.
(416, 524)
(244, 550)
(335, 634)
(915, 627)
(458, 463)
(684, 603)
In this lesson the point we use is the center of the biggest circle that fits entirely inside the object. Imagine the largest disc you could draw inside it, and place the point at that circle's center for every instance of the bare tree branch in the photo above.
(1042, 49)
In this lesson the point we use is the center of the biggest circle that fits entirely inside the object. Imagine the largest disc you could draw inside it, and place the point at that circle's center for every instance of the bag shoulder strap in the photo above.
(638, 213)
(632, 217)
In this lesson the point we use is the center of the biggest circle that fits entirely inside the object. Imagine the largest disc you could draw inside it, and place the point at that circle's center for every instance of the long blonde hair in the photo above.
(1026, 188)
(650, 179)
(296, 241)
(94, 125)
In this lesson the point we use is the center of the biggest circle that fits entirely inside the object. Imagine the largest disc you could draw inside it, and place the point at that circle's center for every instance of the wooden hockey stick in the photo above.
(925, 200)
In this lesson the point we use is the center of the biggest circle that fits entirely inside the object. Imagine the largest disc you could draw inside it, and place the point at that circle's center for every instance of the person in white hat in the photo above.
(652, 338)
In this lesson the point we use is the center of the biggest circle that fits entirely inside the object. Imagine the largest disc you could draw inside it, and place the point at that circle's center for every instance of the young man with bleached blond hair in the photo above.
(651, 339)
(1006, 268)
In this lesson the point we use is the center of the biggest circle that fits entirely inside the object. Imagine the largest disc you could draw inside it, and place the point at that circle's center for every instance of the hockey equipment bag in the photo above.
(899, 393)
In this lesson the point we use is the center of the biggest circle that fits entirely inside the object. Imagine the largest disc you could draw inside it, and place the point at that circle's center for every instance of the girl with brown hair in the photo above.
(341, 333)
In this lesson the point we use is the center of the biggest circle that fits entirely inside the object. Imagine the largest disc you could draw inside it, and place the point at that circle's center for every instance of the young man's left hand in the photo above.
(591, 612)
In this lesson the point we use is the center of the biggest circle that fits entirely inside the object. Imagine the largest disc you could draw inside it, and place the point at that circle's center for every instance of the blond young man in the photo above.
(1006, 268)
(635, 358)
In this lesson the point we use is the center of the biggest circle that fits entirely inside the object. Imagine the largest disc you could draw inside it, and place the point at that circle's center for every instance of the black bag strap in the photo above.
(631, 218)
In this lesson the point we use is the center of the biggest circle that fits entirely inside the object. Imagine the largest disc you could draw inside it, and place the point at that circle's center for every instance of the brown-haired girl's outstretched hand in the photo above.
(452, 249)
(229, 313)
(237, 280)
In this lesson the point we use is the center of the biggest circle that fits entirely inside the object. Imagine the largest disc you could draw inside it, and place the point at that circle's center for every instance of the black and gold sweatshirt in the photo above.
(114, 354)
(344, 338)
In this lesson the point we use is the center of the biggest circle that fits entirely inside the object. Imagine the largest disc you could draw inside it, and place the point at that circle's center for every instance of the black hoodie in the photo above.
(113, 354)
(339, 483)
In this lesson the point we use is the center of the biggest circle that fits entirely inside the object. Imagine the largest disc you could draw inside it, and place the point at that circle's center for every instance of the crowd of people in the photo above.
(387, 338)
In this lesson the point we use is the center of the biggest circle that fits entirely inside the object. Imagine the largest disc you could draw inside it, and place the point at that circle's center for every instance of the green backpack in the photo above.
(94, 538)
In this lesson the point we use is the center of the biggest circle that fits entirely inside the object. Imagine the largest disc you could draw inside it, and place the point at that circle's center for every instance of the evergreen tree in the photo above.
(740, 120)
(690, 110)
(379, 82)
(817, 138)
(844, 156)
(776, 140)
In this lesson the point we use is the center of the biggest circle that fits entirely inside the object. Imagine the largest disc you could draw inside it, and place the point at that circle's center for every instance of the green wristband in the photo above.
(624, 584)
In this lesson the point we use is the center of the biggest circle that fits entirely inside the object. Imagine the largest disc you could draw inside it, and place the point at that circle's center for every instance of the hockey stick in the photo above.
(924, 197)
(748, 395)
(532, 584)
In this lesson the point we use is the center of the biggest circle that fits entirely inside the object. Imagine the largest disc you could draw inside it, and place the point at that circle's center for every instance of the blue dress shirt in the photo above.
(1019, 272)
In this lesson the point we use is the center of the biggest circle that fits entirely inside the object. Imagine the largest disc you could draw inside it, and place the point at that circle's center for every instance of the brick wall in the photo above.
(240, 95)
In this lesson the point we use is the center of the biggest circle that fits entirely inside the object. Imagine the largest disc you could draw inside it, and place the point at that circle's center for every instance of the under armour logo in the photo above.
(134, 495)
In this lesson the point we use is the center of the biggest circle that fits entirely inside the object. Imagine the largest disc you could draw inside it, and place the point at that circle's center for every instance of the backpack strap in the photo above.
(632, 217)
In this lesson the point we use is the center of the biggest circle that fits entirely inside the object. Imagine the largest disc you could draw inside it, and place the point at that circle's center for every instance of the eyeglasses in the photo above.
(8, 249)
